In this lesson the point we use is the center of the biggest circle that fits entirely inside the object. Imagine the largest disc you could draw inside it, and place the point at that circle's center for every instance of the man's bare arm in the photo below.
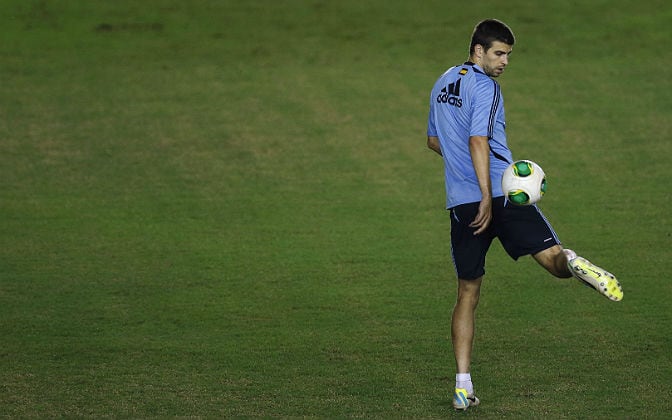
(479, 147)
(433, 143)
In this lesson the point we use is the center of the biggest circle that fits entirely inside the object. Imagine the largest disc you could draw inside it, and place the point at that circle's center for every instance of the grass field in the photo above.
(227, 209)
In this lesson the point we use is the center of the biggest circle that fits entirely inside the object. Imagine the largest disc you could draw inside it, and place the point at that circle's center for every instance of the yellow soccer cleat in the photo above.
(596, 277)
(462, 400)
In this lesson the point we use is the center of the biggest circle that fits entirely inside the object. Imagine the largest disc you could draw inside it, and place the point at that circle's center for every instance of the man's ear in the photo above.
(479, 51)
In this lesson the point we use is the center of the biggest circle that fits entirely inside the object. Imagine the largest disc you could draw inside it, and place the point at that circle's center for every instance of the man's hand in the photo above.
(483, 217)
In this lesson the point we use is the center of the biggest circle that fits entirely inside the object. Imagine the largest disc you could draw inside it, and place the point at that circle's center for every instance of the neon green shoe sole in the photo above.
(462, 400)
(597, 278)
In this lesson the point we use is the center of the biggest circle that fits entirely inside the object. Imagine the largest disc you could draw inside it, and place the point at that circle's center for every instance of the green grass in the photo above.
(227, 209)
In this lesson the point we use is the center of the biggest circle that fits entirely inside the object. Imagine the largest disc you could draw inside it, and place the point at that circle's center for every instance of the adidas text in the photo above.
(451, 100)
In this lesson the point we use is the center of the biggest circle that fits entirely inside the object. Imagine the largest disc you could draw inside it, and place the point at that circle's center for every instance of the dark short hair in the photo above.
(488, 31)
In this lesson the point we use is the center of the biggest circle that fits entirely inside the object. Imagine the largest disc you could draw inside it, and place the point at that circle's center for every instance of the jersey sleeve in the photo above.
(431, 124)
(485, 104)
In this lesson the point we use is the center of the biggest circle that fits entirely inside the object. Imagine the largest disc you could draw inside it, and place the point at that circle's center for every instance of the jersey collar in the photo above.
(475, 66)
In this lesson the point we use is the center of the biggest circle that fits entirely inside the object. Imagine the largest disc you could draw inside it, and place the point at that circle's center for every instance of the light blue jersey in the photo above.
(466, 102)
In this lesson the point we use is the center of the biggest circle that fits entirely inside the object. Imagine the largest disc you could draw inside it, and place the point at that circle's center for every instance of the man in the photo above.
(466, 127)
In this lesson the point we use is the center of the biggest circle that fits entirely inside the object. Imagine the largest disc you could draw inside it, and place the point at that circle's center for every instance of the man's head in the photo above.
(491, 45)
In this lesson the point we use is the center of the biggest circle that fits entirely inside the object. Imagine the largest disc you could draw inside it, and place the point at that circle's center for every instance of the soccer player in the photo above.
(466, 127)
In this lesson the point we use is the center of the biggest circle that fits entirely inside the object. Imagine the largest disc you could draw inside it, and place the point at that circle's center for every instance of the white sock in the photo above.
(463, 380)
(569, 254)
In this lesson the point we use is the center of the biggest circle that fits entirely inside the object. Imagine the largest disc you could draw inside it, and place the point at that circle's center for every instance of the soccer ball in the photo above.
(524, 182)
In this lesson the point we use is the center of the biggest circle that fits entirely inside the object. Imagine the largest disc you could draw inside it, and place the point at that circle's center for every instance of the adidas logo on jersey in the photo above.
(451, 94)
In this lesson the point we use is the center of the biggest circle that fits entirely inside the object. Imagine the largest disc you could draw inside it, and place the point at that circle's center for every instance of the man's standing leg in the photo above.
(463, 326)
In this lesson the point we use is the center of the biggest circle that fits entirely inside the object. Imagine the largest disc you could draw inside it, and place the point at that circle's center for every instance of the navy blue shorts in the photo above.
(522, 230)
